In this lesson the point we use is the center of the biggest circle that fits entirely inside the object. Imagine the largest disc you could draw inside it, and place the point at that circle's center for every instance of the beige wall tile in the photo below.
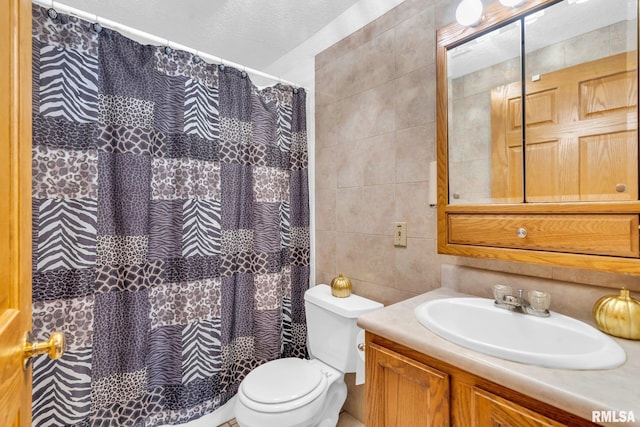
(416, 266)
(350, 78)
(325, 208)
(382, 24)
(342, 47)
(323, 58)
(378, 260)
(378, 209)
(415, 149)
(326, 176)
(415, 47)
(412, 207)
(542, 271)
(377, 60)
(379, 154)
(445, 12)
(325, 85)
(351, 163)
(410, 8)
(591, 45)
(383, 294)
(326, 126)
(415, 98)
(350, 255)
(545, 60)
(326, 251)
(597, 278)
(324, 277)
(378, 110)
(349, 210)
(486, 79)
(624, 36)
(349, 120)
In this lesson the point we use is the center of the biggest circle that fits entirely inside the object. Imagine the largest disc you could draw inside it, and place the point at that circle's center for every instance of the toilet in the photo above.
(293, 392)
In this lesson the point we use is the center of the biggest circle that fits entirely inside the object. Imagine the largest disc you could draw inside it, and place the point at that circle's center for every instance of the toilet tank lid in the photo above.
(350, 307)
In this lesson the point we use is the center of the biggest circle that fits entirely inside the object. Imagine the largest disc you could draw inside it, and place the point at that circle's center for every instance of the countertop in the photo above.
(577, 392)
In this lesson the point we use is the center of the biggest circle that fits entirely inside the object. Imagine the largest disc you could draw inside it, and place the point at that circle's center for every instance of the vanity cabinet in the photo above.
(407, 388)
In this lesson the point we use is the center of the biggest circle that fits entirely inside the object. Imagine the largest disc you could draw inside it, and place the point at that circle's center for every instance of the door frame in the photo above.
(15, 210)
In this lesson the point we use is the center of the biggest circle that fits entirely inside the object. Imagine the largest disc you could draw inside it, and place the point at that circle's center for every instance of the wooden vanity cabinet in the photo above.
(404, 392)
(408, 388)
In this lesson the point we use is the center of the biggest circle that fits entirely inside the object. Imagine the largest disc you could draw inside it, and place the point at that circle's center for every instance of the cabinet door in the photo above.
(402, 392)
(490, 410)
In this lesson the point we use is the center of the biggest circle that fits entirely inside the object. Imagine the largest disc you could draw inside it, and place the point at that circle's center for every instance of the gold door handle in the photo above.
(54, 347)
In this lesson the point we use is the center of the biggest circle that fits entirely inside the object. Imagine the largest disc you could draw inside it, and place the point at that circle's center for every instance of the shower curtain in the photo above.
(170, 227)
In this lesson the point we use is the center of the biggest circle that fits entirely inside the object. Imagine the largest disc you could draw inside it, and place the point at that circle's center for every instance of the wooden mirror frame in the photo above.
(452, 35)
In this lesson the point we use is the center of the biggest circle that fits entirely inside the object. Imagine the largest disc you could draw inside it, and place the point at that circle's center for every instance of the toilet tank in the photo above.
(331, 326)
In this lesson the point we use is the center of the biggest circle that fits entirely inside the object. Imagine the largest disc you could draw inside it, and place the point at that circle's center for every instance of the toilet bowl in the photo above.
(293, 392)
(289, 392)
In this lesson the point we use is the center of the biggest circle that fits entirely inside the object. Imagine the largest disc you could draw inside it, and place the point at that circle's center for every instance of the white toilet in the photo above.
(307, 393)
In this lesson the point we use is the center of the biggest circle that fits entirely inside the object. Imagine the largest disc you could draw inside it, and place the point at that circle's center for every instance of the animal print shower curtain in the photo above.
(170, 227)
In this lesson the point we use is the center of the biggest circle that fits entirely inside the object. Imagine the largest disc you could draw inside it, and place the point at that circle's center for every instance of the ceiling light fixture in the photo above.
(512, 3)
(469, 13)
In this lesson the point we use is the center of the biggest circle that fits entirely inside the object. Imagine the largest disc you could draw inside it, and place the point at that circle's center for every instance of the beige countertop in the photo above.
(577, 392)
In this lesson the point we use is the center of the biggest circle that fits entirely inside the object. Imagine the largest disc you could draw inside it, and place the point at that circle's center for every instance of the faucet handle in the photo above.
(501, 291)
(539, 300)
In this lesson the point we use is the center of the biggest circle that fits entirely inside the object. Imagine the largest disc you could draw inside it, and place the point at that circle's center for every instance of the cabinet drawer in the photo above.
(601, 234)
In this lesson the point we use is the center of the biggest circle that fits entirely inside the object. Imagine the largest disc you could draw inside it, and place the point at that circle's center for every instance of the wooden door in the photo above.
(581, 135)
(490, 410)
(15, 210)
(402, 392)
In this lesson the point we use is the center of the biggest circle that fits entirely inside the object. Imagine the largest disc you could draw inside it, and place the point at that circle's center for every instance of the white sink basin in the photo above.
(556, 341)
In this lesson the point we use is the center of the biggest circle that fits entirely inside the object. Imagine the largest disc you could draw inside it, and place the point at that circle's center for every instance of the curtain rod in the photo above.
(154, 39)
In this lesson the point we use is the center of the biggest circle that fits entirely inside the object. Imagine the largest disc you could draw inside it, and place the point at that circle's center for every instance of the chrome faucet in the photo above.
(537, 305)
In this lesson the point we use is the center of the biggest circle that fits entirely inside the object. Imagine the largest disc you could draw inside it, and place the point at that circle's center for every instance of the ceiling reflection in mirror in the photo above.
(579, 139)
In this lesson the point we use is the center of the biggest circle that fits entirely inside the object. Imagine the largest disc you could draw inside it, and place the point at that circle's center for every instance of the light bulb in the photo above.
(512, 3)
(469, 13)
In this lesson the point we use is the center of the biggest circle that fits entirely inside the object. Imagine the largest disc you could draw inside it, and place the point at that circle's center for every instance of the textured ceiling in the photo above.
(254, 33)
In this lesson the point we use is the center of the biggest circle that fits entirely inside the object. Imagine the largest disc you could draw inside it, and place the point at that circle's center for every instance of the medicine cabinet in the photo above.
(553, 179)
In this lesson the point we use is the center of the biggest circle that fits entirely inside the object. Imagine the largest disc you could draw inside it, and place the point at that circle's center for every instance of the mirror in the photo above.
(575, 61)
(554, 179)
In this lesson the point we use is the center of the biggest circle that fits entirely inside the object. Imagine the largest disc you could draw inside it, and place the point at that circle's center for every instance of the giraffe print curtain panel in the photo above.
(170, 227)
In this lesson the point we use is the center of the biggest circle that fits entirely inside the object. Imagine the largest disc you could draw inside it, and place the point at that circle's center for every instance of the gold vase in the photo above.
(340, 286)
(618, 315)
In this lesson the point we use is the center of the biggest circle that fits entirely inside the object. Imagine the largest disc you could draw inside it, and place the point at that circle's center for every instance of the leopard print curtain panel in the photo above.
(170, 227)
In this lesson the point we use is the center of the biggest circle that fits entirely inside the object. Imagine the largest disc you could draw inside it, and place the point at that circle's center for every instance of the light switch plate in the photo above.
(400, 234)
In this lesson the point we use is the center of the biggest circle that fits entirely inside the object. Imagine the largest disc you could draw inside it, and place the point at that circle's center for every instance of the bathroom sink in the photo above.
(556, 341)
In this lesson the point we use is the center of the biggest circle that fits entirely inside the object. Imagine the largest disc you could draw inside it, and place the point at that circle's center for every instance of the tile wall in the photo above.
(375, 136)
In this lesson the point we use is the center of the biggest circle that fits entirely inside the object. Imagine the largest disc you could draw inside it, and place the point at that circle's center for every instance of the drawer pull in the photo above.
(521, 232)
(621, 188)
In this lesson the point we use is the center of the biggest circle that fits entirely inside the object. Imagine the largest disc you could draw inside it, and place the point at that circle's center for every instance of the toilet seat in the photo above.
(282, 385)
